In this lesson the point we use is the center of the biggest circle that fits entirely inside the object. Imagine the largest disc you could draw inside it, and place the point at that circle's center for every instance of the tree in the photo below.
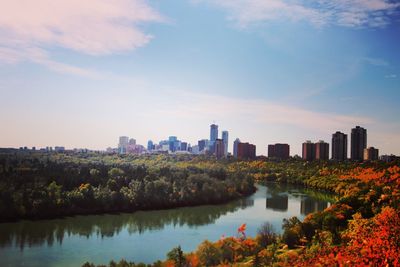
(176, 255)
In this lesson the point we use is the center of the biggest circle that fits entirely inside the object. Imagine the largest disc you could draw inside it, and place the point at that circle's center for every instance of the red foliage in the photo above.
(370, 242)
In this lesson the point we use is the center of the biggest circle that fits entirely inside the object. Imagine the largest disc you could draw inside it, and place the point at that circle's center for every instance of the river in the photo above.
(147, 236)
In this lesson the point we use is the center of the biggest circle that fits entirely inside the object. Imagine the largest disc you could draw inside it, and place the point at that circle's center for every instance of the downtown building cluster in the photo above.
(218, 146)
(214, 146)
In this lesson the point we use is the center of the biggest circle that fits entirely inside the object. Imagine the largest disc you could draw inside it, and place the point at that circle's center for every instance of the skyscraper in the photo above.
(202, 144)
(184, 146)
(150, 145)
(213, 132)
(321, 150)
(358, 142)
(225, 136)
(123, 144)
(235, 147)
(308, 151)
(213, 136)
(172, 142)
(339, 146)
(219, 148)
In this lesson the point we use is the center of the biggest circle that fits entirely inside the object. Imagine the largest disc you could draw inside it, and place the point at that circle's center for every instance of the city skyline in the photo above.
(269, 72)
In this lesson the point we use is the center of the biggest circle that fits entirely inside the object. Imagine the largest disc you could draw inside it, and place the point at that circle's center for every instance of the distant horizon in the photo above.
(230, 147)
(80, 74)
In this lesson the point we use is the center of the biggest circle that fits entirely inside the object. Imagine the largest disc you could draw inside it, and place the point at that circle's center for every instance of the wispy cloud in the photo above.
(257, 112)
(376, 61)
(30, 29)
(391, 76)
(348, 13)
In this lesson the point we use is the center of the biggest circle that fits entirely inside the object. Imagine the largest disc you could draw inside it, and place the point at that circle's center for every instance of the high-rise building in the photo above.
(358, 142)
(150, 145)
(184, 146)
(371, 153)
(308, 151)
(225, 136)
(271, 151)
(203, 144)
(339, 146)
(219, 148)
(123, 144)
(59, 149)
(279, 151)
(246, 151)
(172, 141)
(235, 147)
(213, 136)
(213, 132)
(321, 150)
(132, 142)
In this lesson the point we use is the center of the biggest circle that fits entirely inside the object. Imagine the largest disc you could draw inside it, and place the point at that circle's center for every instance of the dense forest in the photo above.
(361, 229)
(44, 185)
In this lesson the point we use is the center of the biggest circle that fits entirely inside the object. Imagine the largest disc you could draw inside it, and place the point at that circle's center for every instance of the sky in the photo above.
(80, 74)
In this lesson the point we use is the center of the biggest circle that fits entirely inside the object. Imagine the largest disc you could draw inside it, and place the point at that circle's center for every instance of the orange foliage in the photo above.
(370, 242)
(192, 260)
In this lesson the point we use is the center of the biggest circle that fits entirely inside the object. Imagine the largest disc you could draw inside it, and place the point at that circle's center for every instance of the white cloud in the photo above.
(376, 61)
(198, 106)
(29, 29)
(349, 13)
(391, 76)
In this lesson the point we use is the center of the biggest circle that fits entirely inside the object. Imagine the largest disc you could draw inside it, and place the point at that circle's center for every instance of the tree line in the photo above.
(42, 185)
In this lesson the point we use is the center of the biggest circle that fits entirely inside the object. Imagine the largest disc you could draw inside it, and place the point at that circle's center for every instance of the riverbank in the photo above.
(147, 236)
(40, 186)
(362, 228)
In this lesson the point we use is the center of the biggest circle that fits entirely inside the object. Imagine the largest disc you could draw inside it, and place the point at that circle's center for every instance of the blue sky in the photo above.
(81, 74)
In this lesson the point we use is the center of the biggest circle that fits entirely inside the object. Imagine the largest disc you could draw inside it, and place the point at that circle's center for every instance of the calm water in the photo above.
(147, 236)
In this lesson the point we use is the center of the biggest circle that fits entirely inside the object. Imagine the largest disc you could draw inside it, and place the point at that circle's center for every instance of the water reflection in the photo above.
(309, 205)
(34, 233)
(278, 202)
(310, 201)
(286, 200)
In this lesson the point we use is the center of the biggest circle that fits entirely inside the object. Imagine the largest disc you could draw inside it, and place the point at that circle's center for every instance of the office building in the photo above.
(173, 143)
(358, 142)
(308, 151)
(279, 151)
(132, 142)
(203, 144)
(184, 146)
(219, 148)
(123, 144)
(246, 151)
(339, 146)
(150, 145)
(225, 136)
(59, 149)
(321, 150)
(213, 136)
(213, 132)
(271, 151)
(371, 153)
(235, 147)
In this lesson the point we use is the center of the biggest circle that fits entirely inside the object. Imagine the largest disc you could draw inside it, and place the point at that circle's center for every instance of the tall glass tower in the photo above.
(225, 136)
(213, 132)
